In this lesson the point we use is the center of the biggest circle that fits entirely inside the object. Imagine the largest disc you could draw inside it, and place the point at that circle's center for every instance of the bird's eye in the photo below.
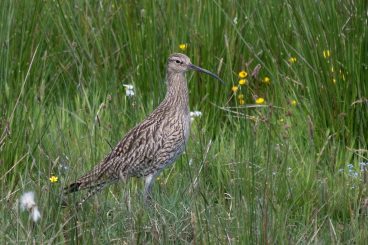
(177, 61)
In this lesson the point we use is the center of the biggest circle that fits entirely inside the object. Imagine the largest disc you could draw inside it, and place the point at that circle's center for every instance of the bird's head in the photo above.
(180, 63)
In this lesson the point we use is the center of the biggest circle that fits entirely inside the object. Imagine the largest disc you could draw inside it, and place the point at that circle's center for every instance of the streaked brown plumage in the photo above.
(154, 143)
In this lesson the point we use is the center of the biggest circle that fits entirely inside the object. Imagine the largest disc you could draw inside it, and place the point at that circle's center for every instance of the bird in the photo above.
(153, 144)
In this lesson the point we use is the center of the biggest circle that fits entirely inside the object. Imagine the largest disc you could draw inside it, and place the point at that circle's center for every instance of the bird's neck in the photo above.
(177, 91)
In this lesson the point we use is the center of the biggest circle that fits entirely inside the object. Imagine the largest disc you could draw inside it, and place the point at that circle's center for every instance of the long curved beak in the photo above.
(197, 68)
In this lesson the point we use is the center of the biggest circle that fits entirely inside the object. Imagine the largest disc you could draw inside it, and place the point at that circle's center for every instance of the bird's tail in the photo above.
(94, 181)
(91, 179)
(92, 190)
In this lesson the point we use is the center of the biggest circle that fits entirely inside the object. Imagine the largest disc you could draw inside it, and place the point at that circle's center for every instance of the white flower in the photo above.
(128, 86)
(194, 114)
(28, 203)
(35, 214)
(235, 20)
(27, 200)
(129, 90)
(363, 166)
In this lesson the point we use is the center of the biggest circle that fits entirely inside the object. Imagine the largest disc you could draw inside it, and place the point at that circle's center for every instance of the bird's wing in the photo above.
(137, 147)
(155, 147)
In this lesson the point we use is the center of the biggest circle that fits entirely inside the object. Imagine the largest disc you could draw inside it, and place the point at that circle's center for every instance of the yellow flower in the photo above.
(243, 81)
(240, 96)
(326, 53)
(292, 60)
(293, 102)
(243, 74)
(266, 80)
(53, 179)
(183, 46)
(241, 101)
(260, 101)
(234, 89)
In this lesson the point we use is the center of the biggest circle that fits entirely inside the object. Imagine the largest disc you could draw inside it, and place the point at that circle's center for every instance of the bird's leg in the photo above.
(148, 188)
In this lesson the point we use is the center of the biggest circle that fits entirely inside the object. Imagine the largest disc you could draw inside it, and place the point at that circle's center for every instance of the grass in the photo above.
(274, 173)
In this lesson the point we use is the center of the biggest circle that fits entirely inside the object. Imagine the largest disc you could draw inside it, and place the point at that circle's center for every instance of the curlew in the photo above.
(153, 144)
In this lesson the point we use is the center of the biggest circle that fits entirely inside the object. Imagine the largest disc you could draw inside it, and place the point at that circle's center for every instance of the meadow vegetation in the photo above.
(278, 156)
